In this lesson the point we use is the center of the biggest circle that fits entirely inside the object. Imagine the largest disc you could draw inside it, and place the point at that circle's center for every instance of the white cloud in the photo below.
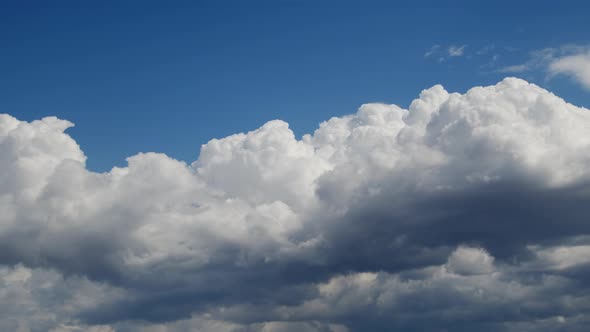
(570, 60)
(373, 207)
(576, 66)
(434, 49)
(455, 51)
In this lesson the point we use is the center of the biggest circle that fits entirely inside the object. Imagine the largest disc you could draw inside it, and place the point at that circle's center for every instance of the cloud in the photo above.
(538, 60)
(434, 49)
(495, 299)
(455, 51)
(42, 300)
(443, 54)
(515, 68)
(570, 60)
(576, 66)
(462, 212)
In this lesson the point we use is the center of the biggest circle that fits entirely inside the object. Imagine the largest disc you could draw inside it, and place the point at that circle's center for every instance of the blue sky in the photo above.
(168, 76)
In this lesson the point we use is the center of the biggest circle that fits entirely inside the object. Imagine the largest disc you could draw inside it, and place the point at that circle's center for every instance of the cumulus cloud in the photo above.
(33, 299)
(468, 261)
(462, 212)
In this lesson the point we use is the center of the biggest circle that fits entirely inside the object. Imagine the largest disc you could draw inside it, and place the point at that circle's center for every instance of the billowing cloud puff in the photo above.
(463, 212)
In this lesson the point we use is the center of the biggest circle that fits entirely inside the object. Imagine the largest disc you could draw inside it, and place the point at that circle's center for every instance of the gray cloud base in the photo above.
(464, 212)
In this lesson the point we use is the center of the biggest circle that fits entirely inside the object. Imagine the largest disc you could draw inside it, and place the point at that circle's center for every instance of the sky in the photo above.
(153, 76)
(282, 166)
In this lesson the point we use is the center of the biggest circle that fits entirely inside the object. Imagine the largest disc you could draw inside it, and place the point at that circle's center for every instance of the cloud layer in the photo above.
(463, 212)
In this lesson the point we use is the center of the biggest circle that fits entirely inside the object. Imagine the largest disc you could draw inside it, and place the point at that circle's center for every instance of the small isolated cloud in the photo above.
(434, 49)
(463, 212)
(442, 54)
(455, 51)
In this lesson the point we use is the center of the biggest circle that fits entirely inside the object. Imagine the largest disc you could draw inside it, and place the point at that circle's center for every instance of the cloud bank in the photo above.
(464, 212)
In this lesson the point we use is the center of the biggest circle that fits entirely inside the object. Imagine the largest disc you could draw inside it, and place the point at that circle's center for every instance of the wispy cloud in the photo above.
(576, 66)
(514, 69)
(538, 59)
(455, 51)
(442, 54)
(434, 49)
(570, 60)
